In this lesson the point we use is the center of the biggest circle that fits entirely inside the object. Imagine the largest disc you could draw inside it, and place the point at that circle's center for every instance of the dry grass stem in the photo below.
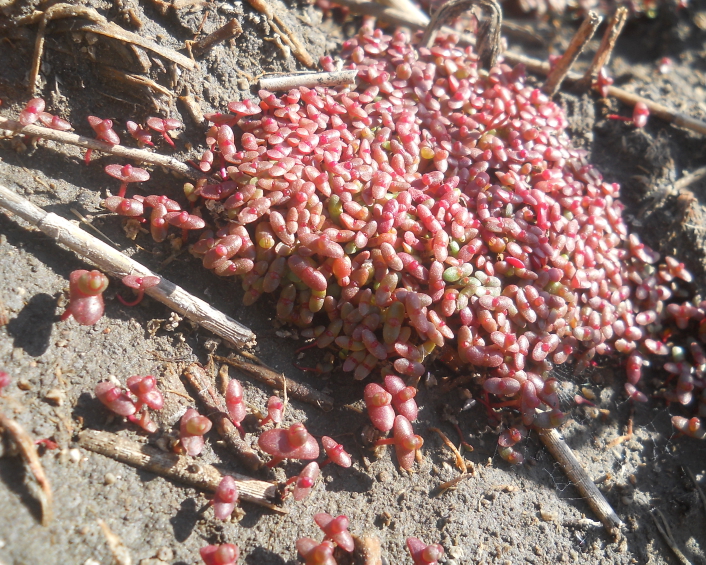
(578, 476)
(620, 439)
(576, 46)
(138, 155)
(666, 532)
(689, 179)
(488, 34)
(217, 412)
(28, 452)
(460, 462)
(309, 80)
(117, 265)
(121, 554)
(180, 468)
(605, 49)
(228, 31)
(277, 381)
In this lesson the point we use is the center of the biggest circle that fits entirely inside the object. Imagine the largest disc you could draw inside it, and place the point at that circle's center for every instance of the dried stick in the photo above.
(119, 150)
(218, 414)
(224, 33)
(460, 462)
(118, 265)
(277, 381)
(657, 110)
(391, 16)
(576, 46)
(114, 31)
(180, 468)
(690, 178)
(488, 34)
(605, 49)
(309, 80)
(573, 469)
(28, 452)
(664, 529)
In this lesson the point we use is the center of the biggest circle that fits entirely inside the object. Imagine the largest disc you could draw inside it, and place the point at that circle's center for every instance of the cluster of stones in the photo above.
(438, 205)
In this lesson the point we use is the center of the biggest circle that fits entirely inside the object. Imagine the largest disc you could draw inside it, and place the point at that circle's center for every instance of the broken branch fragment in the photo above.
(118, 265)
(224, 33)
(28, 452)
(605, 49)
(180, 468)
(89, 143)
(576, 46)
(309, 80)
(218, 413)
(578, 476)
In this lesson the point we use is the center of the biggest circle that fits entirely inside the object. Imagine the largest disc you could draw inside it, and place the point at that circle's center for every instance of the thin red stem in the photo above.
(140, 295)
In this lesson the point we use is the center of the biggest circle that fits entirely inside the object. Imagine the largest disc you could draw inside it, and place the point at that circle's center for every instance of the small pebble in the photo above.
(165, 554)
(56, 396)
(109, 479)
(384, 477)
(548, 515)
(74, 455)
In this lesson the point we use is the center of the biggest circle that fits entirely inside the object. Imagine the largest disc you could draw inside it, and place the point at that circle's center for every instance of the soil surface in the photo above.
(502, 513)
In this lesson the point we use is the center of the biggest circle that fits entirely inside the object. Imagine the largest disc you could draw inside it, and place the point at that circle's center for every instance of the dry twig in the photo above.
(28, 452)
(224, 33)
(576, 46)
(578, 476)
(309, 80)
(664, 529)
(179, 468)
(488, 34)
(121, 554)
(278, 381)
(697, 486)
(119, 150)
(605, 49)
(118, 265)
(218, 414)
(689, 179)
(460, 462)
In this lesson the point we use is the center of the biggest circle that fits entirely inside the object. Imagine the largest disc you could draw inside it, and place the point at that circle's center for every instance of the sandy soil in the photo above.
(501, 514)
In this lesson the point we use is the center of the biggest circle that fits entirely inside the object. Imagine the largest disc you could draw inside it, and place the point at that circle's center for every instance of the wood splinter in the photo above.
(576, 46)
(578, 476)
(28, 452)
(180, 468)
(605, 49)
(228, 31)
(309, 80)
(217, 412)
(117, 265)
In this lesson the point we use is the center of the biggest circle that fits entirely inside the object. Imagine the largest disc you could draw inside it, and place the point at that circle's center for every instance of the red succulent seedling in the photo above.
(304, 481)
(294, 442)
(244, 108)
(143, 419)
(30, 113)
(126, 174)
(640, 114)
(53, 122)
(225, 498)
(224, 554)
(128, 207)
(405, 441)
(163, 126)
(423, 554)
(146, 391)
(140, 284)
(235, 403)
(316, 553)
(378, 401)
(275, 408)
(192, 428)
(86, 296)
(335, 529)
(140, 134)
(5, 380)
(104, 132)
(115, 399)
(402, 397)
(185, 222)
(335, 453)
